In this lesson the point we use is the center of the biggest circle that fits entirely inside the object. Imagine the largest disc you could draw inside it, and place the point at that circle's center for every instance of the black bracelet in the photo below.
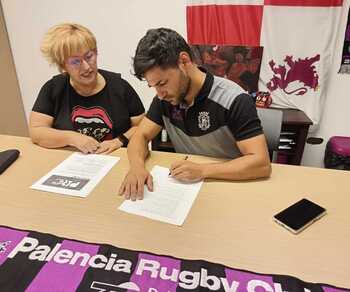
(122, 138)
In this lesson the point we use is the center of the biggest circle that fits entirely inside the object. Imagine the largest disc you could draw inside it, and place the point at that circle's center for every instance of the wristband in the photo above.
(122, 138)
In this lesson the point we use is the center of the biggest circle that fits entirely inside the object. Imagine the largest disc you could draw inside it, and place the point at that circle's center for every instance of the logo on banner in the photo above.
(3, 245)
(203, 121)
(302, 71)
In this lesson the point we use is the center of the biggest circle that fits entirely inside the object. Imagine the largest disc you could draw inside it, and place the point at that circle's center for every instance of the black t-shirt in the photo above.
(104, 115)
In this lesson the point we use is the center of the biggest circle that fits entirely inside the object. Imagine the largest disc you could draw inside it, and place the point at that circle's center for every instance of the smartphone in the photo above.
(300, 215)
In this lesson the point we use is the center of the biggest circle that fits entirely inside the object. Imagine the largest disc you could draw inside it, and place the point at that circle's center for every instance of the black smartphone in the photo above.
(300, 215)
(7, 157)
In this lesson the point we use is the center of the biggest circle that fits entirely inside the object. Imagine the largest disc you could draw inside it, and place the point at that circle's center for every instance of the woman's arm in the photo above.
(42, 133)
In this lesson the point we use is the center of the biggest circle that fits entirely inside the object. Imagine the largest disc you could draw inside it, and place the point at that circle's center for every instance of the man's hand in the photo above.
(133, 184)
(186, 171)
(109, 146)
(85, 144)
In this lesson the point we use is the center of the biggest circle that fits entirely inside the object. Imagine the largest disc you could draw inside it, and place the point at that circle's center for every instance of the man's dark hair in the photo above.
(159, 47)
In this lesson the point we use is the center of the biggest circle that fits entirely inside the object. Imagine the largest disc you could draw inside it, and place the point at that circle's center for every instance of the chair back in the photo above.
(271, 121)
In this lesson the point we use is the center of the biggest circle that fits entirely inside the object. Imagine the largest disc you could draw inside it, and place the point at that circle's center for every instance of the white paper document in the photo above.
(77, 175)
(170, 201)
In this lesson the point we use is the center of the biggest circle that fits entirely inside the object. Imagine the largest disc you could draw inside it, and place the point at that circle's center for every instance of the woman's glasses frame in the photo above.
(76, 61)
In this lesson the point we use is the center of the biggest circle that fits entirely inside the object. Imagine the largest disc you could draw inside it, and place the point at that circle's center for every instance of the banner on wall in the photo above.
(240, 64)
(298, 37)
(37, 262)
(345, 60)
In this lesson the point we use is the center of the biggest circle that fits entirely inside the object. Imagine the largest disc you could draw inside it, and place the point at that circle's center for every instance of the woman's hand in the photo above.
(85, 144)
(109, 146)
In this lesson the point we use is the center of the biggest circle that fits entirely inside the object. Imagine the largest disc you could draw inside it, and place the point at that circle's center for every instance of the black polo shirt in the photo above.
(222, 113)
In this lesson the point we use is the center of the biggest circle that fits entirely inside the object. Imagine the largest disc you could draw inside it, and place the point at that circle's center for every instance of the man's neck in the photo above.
(197, 81)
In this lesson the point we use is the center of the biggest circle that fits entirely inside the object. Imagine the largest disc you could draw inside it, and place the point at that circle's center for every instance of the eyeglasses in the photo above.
(89, 57)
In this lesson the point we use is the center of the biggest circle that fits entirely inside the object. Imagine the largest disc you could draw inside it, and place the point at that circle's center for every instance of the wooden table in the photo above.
(230, 222)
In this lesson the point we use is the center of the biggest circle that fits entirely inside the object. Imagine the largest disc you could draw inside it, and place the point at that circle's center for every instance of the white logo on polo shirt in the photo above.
(204, 121)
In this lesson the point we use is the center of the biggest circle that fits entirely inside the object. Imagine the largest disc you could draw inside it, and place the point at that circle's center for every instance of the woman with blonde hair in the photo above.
(93, 110)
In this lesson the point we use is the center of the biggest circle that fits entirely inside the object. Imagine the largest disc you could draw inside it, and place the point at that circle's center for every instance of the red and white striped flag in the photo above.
(298, 37)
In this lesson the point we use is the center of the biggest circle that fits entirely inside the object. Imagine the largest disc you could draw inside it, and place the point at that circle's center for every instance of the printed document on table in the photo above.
(170, 201)
(77, 175)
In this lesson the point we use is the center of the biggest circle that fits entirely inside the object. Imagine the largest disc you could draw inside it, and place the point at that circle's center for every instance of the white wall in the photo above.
(118, 26)
(336, 113)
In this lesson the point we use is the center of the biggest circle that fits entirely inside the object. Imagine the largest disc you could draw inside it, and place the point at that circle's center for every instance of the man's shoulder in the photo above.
(228, 85)
(225, 91)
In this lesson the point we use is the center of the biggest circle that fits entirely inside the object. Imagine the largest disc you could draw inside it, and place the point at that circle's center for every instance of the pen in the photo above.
(186, 157)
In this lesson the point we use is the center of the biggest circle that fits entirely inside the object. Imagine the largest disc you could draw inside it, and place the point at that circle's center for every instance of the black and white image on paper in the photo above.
(66, 182)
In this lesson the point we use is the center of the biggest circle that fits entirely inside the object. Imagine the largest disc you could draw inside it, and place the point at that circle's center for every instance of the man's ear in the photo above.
(184, 58)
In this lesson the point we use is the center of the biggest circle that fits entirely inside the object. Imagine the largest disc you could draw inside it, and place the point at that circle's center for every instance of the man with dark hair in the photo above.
(203, 114)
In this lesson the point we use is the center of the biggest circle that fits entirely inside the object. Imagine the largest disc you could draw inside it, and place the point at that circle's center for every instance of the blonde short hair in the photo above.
(64, 40)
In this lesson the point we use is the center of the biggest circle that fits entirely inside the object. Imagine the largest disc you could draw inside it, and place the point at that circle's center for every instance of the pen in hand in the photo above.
(186, 157)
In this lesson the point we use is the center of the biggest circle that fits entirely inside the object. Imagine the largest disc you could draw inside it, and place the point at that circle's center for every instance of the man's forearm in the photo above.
(242, 168)
(137, 150)
(129, 133)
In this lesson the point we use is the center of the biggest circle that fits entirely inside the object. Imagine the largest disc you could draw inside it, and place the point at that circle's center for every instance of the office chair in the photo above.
(271, 121)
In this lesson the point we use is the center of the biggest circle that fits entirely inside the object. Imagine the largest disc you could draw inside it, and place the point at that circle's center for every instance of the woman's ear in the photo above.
(61, 68)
